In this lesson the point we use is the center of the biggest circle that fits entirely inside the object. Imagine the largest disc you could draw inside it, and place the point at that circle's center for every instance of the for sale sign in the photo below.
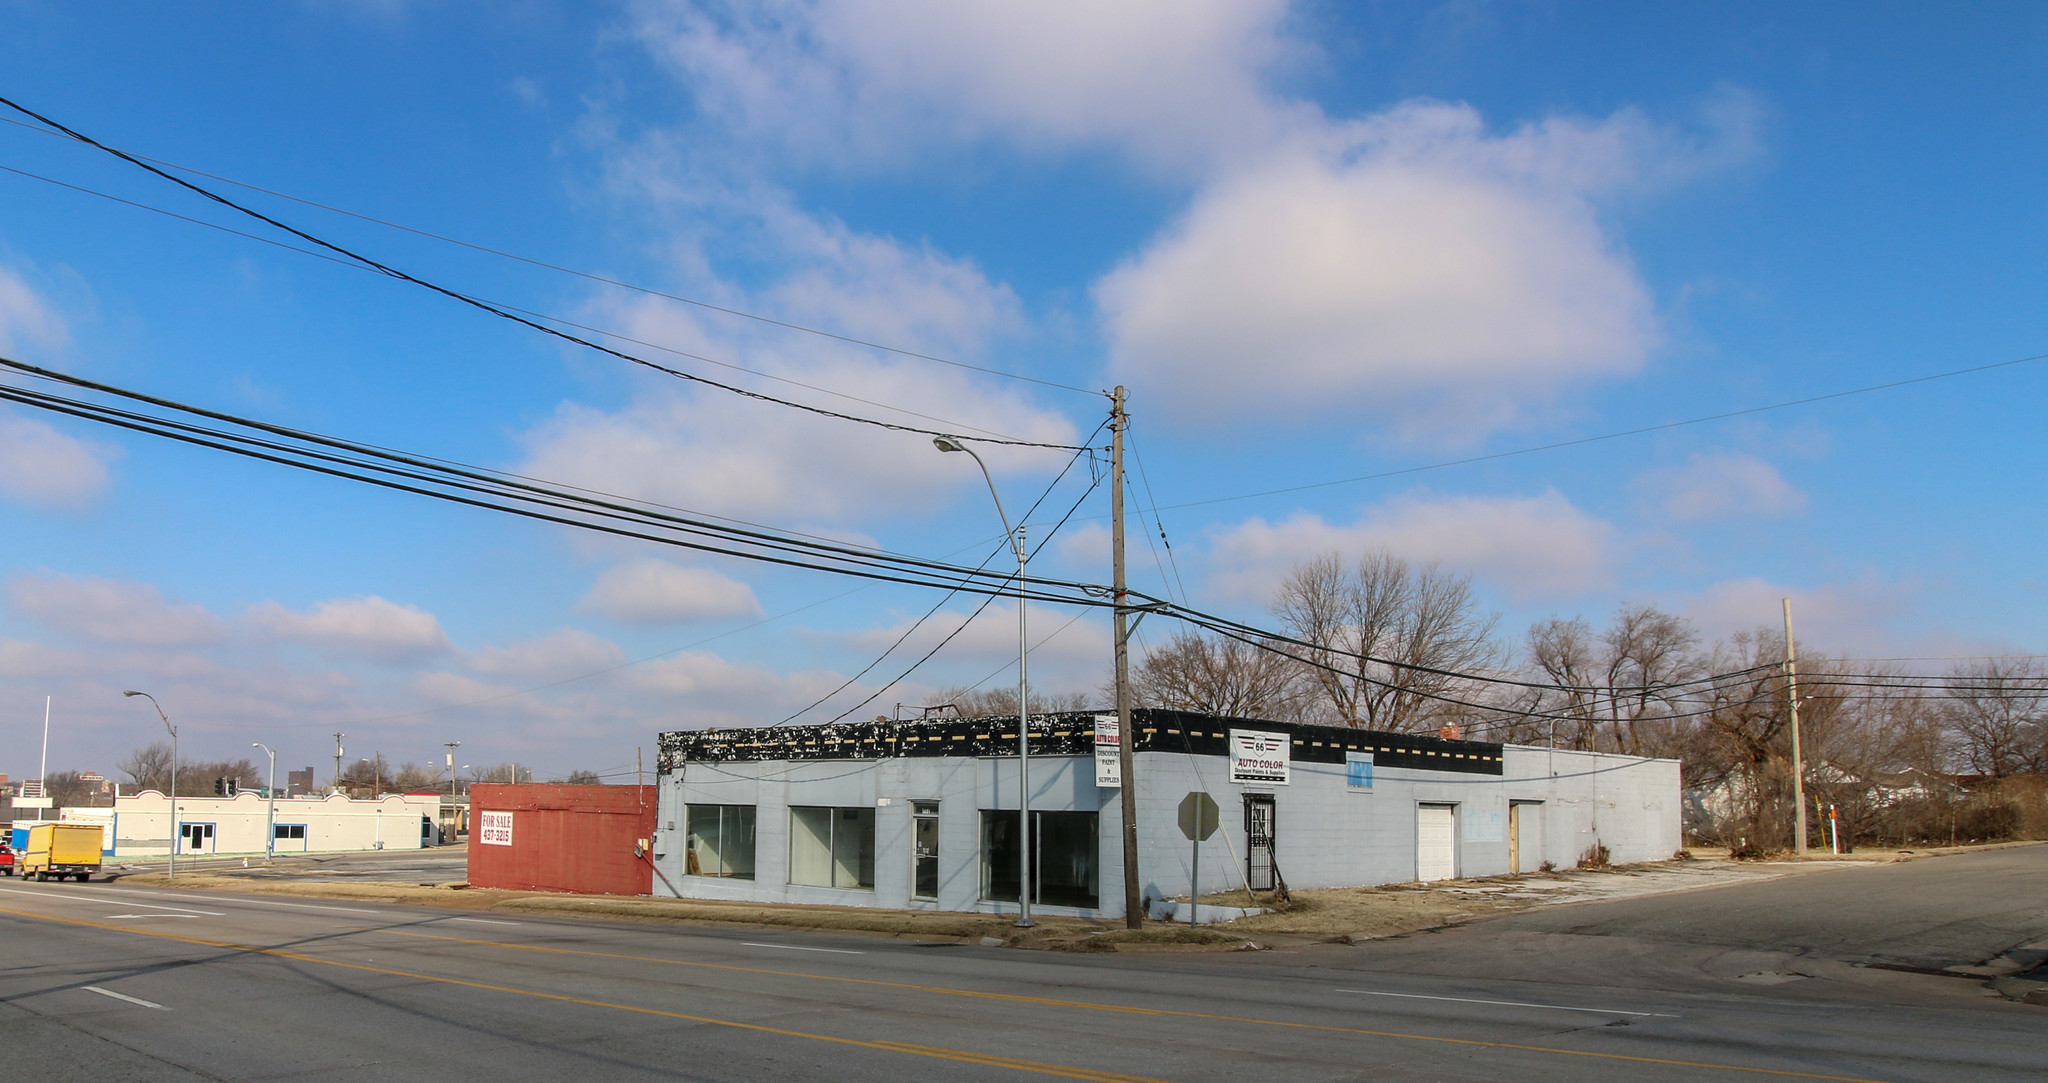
(1260, 758)
(494, 828)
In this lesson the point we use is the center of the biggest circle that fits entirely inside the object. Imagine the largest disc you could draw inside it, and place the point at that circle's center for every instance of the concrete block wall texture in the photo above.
(565, 838)
(1327, 833)
(142, 823)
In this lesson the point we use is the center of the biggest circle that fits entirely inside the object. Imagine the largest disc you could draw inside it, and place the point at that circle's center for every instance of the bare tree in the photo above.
(502, 772)
(70, 789)
(1648, 653)
(1388, 640)
(411, 777)
(1563, 652)
(197, 778)
(1995, 715)
(584, 778)
(367, 776)
(997, 702)
(1219, 676)
(148, 767)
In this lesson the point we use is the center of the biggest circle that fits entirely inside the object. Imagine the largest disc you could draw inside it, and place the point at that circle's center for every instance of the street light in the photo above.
(270, 808)
(1016, 536)
(172, 874)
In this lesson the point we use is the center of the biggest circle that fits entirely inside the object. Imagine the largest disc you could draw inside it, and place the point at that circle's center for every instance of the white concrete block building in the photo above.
(139, 825)
(924, 814)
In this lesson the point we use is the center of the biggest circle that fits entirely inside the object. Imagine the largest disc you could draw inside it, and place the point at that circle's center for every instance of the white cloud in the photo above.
(656, 591)
(1722, 486)
(1851, 617)
(369, 627)
(863, 80)
(1412, 267)
(713, 451)
(111, 610)
(564, 652)
(1525, 547)
(41, 466)
(26, 317)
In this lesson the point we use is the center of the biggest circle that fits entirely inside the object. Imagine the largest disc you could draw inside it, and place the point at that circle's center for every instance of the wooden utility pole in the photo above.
(1127, 734)
(337, 761)
(1798, 765)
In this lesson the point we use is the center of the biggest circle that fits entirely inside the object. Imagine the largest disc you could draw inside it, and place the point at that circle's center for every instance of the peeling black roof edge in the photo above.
(1143, 718)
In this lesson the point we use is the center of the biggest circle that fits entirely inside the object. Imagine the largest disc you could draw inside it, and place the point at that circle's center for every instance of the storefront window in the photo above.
(721, 841)
(1065, 872)
(832, 847)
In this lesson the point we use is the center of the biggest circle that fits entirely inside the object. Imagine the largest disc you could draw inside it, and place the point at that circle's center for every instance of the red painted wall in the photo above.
(564, 838)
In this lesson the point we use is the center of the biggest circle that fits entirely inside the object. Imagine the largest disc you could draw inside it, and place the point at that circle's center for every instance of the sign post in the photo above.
(1198, 820)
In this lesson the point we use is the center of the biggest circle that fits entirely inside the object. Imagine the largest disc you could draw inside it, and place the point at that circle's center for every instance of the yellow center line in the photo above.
(928, 1051)
(939, 1052)
(1126, 1009)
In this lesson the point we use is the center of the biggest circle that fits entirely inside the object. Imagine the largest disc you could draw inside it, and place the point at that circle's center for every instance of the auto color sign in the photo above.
(1259, 757)
(1109, 767)
(494, 828)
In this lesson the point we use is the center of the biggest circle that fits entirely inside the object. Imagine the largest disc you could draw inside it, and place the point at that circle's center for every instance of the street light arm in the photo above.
(947, 443)
(159, 710)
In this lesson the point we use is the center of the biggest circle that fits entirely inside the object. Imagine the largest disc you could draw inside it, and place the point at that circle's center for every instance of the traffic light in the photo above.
(232, 786)
(220, 787)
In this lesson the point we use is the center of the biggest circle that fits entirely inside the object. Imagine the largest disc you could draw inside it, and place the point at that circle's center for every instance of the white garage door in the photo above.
(1436, 842)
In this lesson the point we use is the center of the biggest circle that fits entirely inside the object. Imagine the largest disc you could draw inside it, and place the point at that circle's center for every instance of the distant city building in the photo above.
(298, 783)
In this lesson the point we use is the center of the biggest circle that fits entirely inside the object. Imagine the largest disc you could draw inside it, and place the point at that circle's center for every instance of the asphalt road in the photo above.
(108, 982)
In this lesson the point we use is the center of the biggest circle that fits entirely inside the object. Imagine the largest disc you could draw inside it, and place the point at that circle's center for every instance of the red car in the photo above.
(6, 860)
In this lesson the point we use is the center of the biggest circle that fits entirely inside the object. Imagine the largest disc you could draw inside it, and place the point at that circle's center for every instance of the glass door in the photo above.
(924, 819)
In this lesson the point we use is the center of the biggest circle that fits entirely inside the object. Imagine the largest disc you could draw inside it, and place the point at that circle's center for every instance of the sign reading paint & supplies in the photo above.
(1109, 768)
(1260, 758)
(494, 828)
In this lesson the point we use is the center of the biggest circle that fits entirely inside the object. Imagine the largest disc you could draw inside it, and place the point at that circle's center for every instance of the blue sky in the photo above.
(1318, 241)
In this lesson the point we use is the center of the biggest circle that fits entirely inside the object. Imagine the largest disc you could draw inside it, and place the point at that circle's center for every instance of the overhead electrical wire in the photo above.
(487, 250)
(943, 599)
(476, 487)
(564, 321)
(506, 314)
(985, 603)
(1662, 427)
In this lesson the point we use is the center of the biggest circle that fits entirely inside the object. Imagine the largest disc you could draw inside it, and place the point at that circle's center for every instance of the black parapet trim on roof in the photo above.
(1064, 734)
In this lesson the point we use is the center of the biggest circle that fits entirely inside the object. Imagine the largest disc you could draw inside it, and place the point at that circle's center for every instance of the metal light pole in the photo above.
(172, 872)
(1016, 536)
(270, 807)
(450, 819)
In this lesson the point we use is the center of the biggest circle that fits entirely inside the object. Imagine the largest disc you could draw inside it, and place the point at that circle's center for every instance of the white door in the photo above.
(1436, 842)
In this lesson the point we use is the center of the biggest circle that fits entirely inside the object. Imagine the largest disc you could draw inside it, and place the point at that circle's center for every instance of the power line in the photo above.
(1613, 435)
(947, 597)
(474, 487)
(506, 314)
(63, 133)
(273, 242)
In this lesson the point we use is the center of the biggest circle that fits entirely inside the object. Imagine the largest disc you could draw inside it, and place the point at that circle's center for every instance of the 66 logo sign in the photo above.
(1259, 757)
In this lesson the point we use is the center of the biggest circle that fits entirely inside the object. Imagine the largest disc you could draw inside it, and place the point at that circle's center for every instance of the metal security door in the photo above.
(1259, 825)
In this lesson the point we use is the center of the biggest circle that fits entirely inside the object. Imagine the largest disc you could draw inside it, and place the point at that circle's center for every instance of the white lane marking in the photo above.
(798, 947)
(486, 921)
(111, 902)
(126, 997)
(240, 901)
(1507, 1003)
(118, 917)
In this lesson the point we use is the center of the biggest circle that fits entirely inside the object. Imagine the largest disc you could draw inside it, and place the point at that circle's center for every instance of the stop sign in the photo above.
(1198, 816)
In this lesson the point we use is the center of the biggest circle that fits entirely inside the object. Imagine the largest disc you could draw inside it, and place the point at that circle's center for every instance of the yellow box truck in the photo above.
(57, 850)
